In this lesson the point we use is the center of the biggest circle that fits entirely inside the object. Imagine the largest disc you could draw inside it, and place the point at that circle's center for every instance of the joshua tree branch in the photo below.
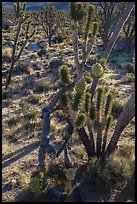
(125, 117)
(13, 56)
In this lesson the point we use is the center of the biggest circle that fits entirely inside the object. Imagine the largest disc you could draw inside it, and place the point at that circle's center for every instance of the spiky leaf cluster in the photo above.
(90, 18)
(95, 28)
(20, 11)
(100, 100)
(109, 104)
(70, 173)
(81, 85)
(77, 101)
(87, 102)
(92, 113)
(81, 120)
(37, 183)
(77, 11)
(102, 62)
(97, 71)
(64, 100)
(65, 74)
(22, 15)
(109, 122)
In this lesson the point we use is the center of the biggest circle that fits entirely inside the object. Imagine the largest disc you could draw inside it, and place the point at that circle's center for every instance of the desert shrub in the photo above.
(21, 68)
(115, 173)
(41, 86)
(33, 98)
(121, 168)
(37, 183)
(52, 176)
(6, 58)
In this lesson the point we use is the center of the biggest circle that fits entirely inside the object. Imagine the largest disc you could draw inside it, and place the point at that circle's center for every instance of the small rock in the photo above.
(55, 63)
(41, 52)
(43, 44)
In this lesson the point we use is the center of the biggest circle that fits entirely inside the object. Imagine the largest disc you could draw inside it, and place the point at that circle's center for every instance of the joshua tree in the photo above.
(108, 14)
(90, 116)
(22, 17)
(129, 31)
(117, 29)
(50, 19)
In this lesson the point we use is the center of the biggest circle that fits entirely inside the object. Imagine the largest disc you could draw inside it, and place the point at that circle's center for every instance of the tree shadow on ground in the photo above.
(12, 157)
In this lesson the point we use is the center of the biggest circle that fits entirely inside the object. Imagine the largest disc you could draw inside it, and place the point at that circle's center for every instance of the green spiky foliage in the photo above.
(81, 85)
(37, 183)
(109, 104)
(64, 100)
(20, 11)
(95, 28)
(81, 120)
(77, 11)
(109, 122)
(65, 74)
(97, 71)
(87, 102)
(24, 6)
(77, 101)
(100, 100)
(90, 18)
(92, 113)
(102, 61)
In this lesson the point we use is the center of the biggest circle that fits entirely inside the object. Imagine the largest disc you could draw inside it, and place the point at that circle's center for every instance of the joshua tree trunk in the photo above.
(13, 57)
(125, 117)
(86, 142)
(117, 29)
(49, 41)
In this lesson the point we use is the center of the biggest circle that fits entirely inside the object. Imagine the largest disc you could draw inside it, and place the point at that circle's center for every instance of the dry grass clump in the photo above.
(41, 85)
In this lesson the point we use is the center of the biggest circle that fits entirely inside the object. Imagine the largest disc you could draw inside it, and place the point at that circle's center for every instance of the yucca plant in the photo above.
(51, 19)
(87, 109)
(22, 17)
